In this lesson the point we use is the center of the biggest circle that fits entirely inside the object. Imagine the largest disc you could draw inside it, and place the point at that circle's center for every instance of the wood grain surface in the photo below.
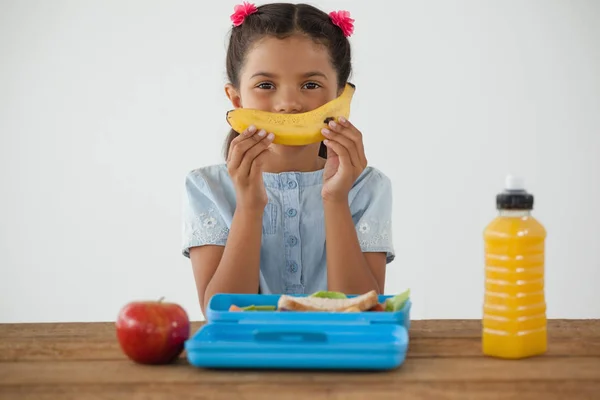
(84, 361)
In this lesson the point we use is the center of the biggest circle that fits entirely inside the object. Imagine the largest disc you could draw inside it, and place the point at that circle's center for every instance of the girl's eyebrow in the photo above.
(306, 75)
(315, 73)
(265, 74)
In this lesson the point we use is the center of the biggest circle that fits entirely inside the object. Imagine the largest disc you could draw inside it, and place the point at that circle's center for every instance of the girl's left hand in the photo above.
(346, 160)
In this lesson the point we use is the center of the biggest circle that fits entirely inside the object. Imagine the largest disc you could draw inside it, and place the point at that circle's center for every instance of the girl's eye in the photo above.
(265, 85)
(311, 85)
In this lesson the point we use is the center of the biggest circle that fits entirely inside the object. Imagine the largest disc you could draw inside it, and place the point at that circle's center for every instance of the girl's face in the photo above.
(291, 75)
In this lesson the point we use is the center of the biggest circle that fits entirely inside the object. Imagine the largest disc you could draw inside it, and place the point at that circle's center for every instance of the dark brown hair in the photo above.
(282, 20)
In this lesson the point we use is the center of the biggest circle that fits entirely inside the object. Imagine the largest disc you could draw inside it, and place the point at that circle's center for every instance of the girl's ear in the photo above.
(233, 96)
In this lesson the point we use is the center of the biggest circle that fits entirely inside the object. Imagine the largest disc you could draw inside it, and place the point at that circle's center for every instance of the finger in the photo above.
(346, 142)
(243, 146)
(341, 151)
(240, 152)
(347, 129)
(257, 163)
(356, 148)
(245, 135)
(253, 152)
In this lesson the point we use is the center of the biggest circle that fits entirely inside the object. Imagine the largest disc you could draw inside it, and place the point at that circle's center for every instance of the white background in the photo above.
(106, 105)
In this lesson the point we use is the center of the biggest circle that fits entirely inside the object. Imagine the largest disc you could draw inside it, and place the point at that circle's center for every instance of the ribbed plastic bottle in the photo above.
(514, 312)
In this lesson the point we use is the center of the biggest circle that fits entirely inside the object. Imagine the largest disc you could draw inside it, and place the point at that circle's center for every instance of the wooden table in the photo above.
(83, 361)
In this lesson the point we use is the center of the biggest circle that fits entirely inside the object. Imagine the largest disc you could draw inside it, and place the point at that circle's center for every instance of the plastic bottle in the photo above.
(514, 312)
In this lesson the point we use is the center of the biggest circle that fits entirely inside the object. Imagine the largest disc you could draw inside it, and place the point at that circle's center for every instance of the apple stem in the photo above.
(161, 299)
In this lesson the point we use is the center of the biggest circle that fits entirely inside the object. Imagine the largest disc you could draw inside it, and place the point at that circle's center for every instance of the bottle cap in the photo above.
(514, 197)
(513, 182)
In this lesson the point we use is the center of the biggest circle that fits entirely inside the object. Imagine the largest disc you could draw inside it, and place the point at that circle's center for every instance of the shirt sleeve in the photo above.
(374, 216)
(202, 222)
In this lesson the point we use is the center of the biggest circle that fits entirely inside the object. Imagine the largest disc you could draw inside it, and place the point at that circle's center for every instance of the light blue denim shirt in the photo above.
(292, 254)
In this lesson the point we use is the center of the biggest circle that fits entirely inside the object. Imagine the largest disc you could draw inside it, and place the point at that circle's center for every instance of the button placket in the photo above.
(291, 226)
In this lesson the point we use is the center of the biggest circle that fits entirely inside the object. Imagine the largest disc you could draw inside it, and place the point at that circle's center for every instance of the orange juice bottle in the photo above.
(514, 312)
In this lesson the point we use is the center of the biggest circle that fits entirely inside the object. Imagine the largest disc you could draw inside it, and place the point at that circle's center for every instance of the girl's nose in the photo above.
(288, 102)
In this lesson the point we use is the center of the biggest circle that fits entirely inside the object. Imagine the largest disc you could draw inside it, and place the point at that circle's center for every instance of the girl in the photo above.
(288, 219)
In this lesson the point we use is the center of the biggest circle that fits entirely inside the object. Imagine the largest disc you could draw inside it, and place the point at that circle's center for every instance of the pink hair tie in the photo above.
(241, 11)
(343, 21)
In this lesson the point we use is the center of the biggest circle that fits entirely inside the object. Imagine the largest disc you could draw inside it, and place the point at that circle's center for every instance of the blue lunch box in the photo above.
(298, 339)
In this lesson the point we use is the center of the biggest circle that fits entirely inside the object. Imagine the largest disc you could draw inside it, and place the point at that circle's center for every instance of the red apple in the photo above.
(152, 332)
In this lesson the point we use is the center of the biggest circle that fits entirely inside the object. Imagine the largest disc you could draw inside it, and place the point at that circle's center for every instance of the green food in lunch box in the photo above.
(258, 308)
(397, 302)
(329, 295)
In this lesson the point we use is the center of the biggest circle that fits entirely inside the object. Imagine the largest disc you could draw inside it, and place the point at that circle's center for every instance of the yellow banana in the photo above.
(294, 129)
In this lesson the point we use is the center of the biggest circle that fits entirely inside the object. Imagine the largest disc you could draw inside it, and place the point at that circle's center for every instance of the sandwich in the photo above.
(360, 303)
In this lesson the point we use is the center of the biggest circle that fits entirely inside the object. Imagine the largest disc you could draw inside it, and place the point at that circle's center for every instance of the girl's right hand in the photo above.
(244, 164)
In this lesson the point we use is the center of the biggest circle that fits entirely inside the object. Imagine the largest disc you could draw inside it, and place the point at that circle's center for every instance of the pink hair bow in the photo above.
(241, 11)
(343, 21)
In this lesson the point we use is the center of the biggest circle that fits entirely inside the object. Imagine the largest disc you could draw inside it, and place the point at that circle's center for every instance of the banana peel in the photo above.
(294, 129)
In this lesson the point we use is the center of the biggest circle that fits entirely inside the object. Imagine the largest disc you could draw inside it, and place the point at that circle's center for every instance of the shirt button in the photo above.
(291, 212)
(292, 241)
(292, 184)
(293, 266)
